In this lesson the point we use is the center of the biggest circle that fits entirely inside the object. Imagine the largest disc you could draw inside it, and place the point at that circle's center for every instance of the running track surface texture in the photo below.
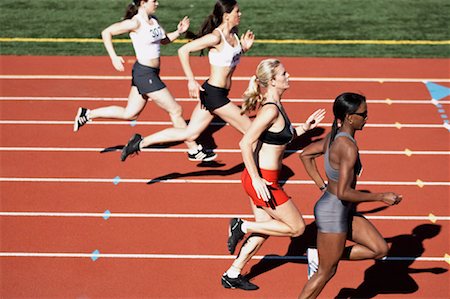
(76, 222)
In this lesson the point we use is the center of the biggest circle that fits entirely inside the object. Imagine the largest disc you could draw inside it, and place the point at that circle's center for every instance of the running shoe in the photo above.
(235, 234)
(238, 283)
(131, 147)
(201, 155)
(313, 261)
(81, 119)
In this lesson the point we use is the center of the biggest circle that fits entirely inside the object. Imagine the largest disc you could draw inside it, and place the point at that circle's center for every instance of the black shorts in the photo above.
(213, 97)
(146, 79)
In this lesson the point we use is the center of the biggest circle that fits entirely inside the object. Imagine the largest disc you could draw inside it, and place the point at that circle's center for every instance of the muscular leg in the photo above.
(252, 244)
(286, 220)
(330, 247)
(164, 99)
(200, 119)
(369, 242)
(231, 114)
(135, 105)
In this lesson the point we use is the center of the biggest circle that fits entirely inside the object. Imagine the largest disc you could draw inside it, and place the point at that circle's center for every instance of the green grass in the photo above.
(283, 19)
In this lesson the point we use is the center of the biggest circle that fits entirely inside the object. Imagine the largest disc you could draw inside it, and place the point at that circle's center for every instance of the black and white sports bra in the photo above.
(279, 138)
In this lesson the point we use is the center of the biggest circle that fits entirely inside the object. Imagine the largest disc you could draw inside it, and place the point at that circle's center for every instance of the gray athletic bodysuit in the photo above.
(332, 214)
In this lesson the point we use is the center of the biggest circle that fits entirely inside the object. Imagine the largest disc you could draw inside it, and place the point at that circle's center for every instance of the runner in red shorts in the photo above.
(275, 213)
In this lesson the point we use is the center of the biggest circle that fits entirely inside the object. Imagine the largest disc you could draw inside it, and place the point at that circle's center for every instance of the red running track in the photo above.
(175, 230)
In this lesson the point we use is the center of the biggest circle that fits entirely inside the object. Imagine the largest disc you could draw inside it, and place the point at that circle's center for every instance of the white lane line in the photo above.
(191, 216)
(182, 256)
(233, 151)
(95, 99)
(166, 123)
(204, 181)
(235, 78)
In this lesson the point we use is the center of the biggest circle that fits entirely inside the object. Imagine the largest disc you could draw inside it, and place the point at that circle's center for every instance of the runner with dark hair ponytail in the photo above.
(216, 17)
(336, 210)
(214, 20)
(346, 103)
(218, 36)
(132, 9)
(147, 36)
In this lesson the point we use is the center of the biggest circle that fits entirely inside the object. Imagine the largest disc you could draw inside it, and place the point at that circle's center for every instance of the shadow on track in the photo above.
(286, 172)
(392, 276)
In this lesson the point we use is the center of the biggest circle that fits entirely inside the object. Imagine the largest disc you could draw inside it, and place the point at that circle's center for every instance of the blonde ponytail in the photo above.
(252, 96)
(264, 73)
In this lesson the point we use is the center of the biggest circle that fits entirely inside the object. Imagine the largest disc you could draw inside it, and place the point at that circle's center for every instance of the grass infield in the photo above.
(344, 28)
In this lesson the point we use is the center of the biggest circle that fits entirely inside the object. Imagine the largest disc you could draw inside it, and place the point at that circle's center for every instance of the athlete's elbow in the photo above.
(106, 34)
(244, 144)
(342, 195)
(304, 157)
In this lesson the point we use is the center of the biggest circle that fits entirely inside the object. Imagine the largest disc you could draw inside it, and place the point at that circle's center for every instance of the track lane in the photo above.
(199, 279)
(376, 167)
(164, 198)
(313, 67)
(116, 276)
(120, 88)
(105, 136)
(298, 112)
(164, 236)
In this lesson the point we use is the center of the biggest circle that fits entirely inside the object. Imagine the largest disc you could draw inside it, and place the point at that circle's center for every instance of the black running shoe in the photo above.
(235, 234)
(238, 283)
(81, 119)
(131, 147)
(202, 155)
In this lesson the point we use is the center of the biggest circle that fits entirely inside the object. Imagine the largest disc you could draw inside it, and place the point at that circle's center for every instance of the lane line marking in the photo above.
(235, 78)
(184, 256)
(95, 255)
(259, 41)
(233, 151)
(205, 181)
(432, 218)
(108, 214)
(447, 258)
(95, 99)
(167, 123)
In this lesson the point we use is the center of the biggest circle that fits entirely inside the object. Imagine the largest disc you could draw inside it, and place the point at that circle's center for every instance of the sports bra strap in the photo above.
(221, 33)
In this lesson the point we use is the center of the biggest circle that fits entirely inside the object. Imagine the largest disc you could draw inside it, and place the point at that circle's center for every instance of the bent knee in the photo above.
(326, 273)
(298, 230)
(176, 111)
(381, 251)
(191, 136)
(128, 116)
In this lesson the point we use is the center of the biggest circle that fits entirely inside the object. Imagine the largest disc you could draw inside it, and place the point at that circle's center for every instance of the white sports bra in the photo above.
(147, 39)
(229, 56)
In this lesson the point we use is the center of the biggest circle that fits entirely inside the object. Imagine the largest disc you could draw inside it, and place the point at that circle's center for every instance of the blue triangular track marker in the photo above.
(95, 255)
(133, 123)
(437, 91)
(106, 214)
(116, 180)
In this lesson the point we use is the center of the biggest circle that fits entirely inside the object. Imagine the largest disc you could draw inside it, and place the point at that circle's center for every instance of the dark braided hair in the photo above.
(132, 9)
(345, 104)
(214, 19)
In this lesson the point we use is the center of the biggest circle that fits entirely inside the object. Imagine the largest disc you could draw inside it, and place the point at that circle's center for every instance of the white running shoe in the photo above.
(313, 261)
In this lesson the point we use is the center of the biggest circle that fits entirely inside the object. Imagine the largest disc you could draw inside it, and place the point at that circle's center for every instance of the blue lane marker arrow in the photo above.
(95, 255)
(437, 91)
(106, 214)
(116, 180)
(133, 123)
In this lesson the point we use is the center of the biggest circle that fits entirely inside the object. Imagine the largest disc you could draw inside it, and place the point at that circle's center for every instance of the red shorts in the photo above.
(278, 196)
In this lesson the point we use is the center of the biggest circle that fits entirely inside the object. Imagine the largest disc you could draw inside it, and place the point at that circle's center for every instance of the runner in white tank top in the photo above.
(218, 35)
(229, 56)
(147, 36)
